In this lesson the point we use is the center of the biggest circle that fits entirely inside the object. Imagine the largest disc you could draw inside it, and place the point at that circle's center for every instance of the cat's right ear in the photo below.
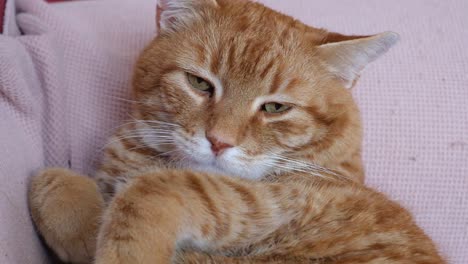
(172, 15)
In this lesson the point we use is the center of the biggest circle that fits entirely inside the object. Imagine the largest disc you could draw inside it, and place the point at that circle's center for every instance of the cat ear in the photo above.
(171, 15)
(347, 56)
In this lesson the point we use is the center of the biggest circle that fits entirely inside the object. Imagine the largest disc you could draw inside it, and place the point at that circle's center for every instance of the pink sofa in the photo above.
(64, 81)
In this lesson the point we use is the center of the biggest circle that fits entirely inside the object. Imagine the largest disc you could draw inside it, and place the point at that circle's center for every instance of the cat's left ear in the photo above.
(172, 15)
(347, 56)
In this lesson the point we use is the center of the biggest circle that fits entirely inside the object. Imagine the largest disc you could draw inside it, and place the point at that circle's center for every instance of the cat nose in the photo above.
(218, 144)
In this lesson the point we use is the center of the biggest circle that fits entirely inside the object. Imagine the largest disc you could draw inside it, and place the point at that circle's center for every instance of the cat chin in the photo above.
(238, 171)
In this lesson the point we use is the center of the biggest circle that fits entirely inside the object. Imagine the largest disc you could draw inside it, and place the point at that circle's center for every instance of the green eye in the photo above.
(199, 83)
(275, 108)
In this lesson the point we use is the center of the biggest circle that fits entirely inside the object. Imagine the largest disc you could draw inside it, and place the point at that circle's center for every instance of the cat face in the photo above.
(236, 88)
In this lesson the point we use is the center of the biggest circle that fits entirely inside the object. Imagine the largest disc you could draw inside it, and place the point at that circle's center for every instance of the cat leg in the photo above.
(158, 213)
(65, 208)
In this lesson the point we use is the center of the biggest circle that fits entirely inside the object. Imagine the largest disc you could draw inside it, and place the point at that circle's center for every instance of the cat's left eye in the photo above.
(275, 108)
(199, 83)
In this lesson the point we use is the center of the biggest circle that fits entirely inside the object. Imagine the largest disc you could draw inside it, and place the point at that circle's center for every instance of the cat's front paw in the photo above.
(65, 208)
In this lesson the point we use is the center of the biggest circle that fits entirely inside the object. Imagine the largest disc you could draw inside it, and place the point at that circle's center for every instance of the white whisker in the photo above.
(287, 164)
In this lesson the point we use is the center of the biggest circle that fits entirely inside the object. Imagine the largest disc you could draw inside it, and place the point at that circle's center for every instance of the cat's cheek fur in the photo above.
(296, 140)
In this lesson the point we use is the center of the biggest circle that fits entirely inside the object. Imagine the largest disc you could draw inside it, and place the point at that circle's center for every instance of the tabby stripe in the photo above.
(196, 185)
(215, 61)
(267, 69)
(276, 84)
(249, 199)
(232, 55)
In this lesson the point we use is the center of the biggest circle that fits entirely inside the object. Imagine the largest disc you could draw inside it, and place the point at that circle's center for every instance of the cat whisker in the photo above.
(159, 138)
(143, 146)
(148, 131)
(307, 164)
(285, 168)
(128, 100)
(122, 99)
(304, 167)
(161, 123)
(118, 139)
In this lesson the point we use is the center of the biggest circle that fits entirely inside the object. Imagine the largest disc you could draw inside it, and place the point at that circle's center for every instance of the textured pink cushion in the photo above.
(61, 81)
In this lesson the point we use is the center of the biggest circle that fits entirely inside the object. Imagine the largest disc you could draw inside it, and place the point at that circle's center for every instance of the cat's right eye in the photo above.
(200, 84)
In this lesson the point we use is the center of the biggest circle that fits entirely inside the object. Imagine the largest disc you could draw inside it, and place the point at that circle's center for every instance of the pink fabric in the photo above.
(60, 84)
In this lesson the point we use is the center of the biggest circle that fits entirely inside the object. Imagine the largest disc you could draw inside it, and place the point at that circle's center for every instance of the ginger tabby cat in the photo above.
(245, 148)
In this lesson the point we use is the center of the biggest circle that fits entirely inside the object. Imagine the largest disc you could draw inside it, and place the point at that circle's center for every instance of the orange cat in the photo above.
(244, 148)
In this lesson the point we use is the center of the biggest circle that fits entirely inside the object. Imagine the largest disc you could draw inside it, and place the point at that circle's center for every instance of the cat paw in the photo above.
(75, 252)
(65, 208)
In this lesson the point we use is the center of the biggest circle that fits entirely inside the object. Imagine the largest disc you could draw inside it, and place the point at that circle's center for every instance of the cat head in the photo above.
(237, 88)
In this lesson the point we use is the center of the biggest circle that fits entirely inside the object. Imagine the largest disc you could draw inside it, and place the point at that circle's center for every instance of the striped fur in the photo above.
(288, 189)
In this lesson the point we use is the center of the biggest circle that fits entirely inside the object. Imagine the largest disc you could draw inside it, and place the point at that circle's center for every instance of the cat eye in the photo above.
(199, 83)
(275, 108)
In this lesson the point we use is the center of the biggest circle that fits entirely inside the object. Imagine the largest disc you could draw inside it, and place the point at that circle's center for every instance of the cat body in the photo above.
(245, 147)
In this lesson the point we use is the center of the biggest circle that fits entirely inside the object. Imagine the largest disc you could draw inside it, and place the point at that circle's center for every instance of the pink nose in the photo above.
(217, 145)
